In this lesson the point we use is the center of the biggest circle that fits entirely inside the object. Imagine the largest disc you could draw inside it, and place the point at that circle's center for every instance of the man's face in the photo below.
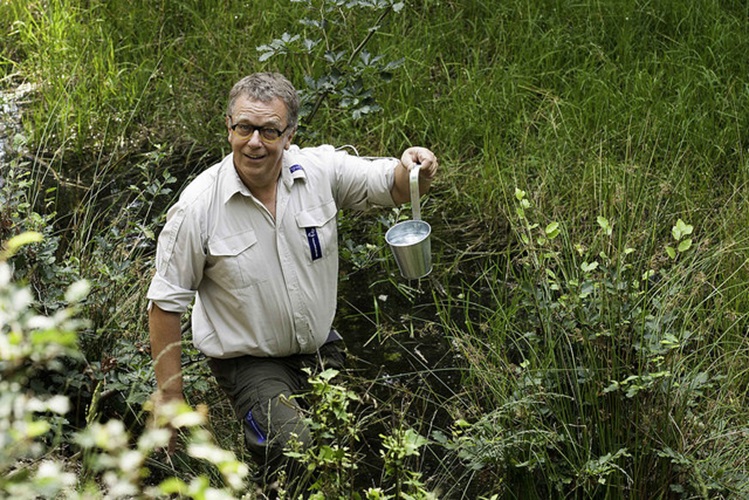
(253, 127)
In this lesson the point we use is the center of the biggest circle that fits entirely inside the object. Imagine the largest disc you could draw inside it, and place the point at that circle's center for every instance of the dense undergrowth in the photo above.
(589, 231)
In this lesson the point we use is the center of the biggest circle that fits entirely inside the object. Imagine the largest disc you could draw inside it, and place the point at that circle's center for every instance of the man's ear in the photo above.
(228, 127)
(290, 139)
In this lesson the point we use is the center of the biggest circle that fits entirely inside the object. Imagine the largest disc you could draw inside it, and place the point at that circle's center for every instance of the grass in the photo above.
(628, 110)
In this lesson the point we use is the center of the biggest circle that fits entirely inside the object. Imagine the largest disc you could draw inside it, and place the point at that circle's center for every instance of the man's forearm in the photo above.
(166, 350)
(401, 190)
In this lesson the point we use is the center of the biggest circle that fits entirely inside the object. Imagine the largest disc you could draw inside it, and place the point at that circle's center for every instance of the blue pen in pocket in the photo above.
(255, 427)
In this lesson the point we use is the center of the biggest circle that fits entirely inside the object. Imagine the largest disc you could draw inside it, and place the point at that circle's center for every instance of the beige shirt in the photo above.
(261, 286)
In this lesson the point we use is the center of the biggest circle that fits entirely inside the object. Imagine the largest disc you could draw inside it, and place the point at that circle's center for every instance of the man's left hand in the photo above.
(424, 157)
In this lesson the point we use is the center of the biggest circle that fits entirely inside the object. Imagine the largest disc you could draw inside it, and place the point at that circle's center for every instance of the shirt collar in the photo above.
(230, 183)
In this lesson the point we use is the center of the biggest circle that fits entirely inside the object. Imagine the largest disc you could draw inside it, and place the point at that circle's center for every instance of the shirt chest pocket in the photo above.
(318, 231)
(236, 261)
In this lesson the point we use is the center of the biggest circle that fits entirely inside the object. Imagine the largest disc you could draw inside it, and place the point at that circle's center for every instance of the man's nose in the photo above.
(255, 138)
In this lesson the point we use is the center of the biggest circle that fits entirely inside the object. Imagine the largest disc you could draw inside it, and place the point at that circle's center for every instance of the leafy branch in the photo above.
(344, 72)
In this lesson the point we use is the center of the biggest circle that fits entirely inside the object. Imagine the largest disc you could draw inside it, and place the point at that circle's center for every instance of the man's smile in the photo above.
(255, 156)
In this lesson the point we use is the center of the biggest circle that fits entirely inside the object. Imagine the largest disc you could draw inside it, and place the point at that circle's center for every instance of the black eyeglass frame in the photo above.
(262, 130)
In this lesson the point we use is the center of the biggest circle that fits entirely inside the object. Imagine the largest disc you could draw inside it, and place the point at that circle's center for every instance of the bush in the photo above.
(32, 459)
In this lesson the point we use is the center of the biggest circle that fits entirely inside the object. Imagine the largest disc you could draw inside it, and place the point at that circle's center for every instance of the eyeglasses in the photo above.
(267, 134)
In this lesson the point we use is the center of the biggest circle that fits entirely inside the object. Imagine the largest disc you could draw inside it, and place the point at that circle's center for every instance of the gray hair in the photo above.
(265, 87)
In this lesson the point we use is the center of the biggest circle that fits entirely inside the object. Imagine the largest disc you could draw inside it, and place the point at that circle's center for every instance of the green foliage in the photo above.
(331, 463)
(604, 337)
(114, 374)
(605, 368)
(30, 343)
(31, 465)
(398, 447)
(335, 68)
(679, 231)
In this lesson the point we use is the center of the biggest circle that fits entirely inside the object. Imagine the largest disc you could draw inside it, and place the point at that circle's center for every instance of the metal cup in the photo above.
(409, 240)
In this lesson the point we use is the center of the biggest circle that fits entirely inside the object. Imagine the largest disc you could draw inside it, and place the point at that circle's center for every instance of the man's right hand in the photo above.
(166, 351)
(159, 400)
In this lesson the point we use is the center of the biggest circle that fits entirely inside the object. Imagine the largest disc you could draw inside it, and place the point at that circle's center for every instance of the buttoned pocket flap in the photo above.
(232, 245)
(318, 216)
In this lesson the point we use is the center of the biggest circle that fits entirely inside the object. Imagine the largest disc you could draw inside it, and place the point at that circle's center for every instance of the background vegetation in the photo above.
(589, 228)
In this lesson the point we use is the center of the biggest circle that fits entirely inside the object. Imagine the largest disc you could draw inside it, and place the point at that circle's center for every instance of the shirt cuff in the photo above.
(169, 297)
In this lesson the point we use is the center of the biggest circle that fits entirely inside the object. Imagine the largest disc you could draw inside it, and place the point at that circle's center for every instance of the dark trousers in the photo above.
(260, 391)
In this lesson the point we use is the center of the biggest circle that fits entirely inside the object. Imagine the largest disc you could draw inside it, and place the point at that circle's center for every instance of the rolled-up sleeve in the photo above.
(380, 179)
(180, 259)
(360, 182)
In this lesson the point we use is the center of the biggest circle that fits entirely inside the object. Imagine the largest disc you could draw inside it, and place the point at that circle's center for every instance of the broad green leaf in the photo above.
(685, 245)
(173, 486)
(552, 230)
(328, 374)
(519, 194)
(605, 225)
(681, 229)
(671, 252)
(586, 267)
(36, 428)
(613, 386)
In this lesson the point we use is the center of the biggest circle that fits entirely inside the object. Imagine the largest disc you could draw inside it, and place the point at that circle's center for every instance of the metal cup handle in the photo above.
(413, 178)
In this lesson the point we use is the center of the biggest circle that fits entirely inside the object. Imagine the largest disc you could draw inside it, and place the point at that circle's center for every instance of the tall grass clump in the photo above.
(607, 370)
(541, 93)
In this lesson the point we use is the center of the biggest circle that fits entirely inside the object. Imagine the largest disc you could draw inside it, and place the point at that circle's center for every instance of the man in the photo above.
(253, 240)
